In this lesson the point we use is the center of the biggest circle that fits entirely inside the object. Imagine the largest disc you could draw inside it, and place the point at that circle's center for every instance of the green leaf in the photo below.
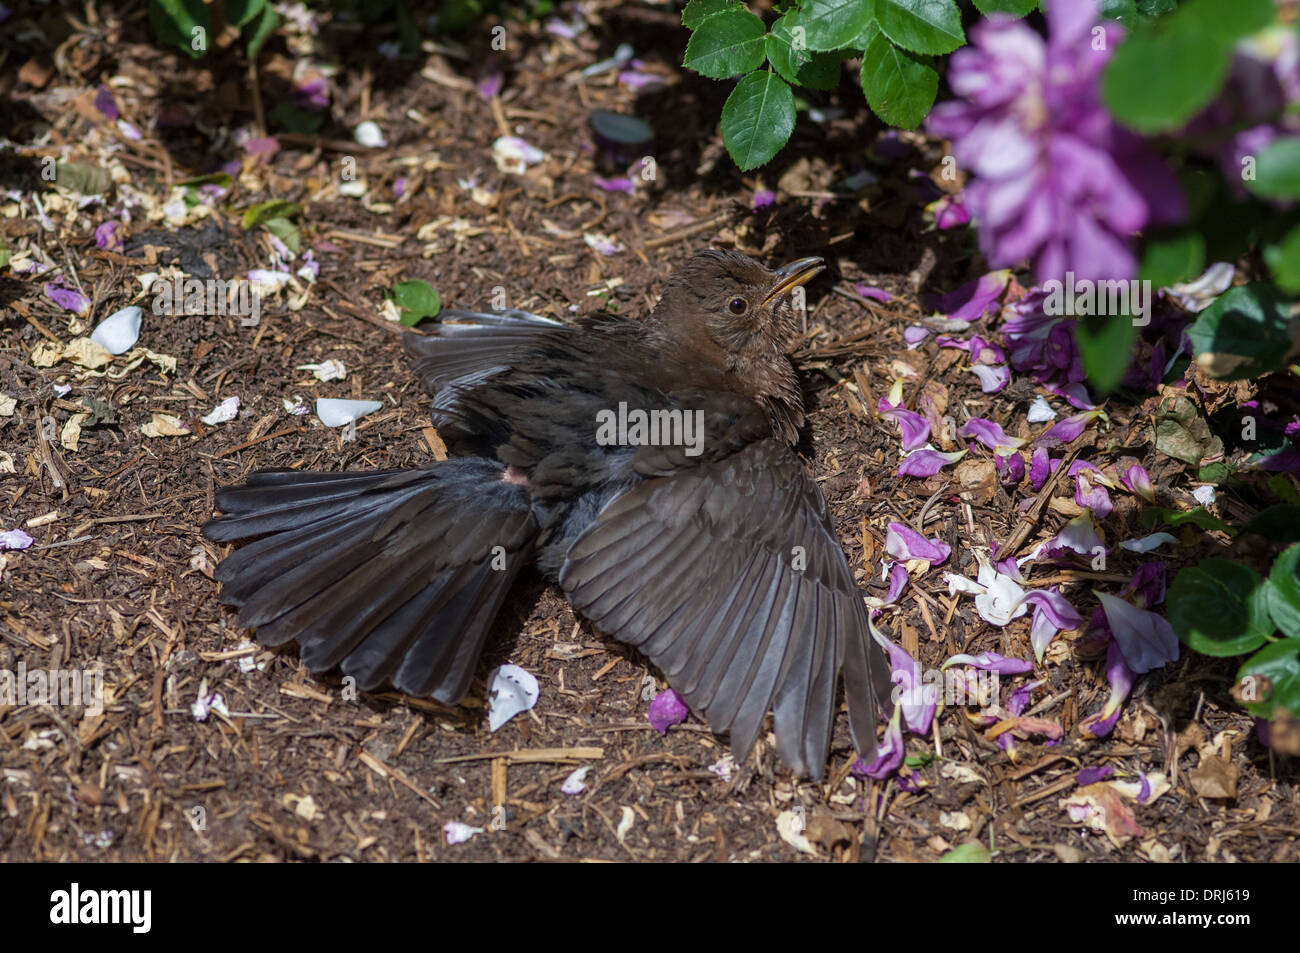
(1182, 433)
(1167, 70)
(1153, 516)
(757, 119)
(1219, 608)
(1284, 592)
(726, 44)
(417, 299)
(288, 116)
(242, 12)
(257, 32)
(800, 67)
(1283, 260)
(1172, 256)
(1150, 9)
(1105, 343)
(830, 24)
(1277, 170)
(182, 23)
(900, 86)
(5, 254)
(1017, 8)
(971, 852)
(697, 11)
(223, 179)
(922, 26)
(1124, 11)
(1271, 678)
(263, 212)
(287, 232)
(78, 177)
(1284, 488)
(1244, 333)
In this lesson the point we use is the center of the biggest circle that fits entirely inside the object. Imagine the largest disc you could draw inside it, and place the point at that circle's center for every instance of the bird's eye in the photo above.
(737, 306)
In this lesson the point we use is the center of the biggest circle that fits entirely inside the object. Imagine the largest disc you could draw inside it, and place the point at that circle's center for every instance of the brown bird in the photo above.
(645, 466)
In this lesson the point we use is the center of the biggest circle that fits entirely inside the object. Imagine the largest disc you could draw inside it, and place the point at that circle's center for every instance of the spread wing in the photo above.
(728, 576)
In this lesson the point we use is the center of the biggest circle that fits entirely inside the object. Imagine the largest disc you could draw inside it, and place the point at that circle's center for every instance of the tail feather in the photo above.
(395, 576)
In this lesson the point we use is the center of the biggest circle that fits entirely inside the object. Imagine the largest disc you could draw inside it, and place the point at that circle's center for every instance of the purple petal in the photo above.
(14, 539)
(667, 709)
(903, 543)
(1146, 639)
(926, 463)
(872, 292)
(897, 581)
(1067, 430)
(1149, 582)
(1093, 775)
(68, 299)
(990, 434)
(914, 428)
(914, 334)
(105, 102)
(622, 184)
(1092, 497)
(1041, 466)
(490, 85)
(889, 755)
(1136, 480)
(974, 299)
(763, 198)
(1011, 468)
(1020, 696)
(108, 236)
(1120, 677)
(992, 379)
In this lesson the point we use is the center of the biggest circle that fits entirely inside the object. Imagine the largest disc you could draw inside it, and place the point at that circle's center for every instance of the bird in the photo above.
(647, 467)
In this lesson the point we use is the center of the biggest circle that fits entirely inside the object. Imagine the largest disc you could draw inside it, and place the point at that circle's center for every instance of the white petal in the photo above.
(225, 411)
(1147, 543)
(369, 134)
(576, 782)
(334, 412)
(1040, 411)
(118, 332)
(1204, 495)
(458, 833)
(512, 691)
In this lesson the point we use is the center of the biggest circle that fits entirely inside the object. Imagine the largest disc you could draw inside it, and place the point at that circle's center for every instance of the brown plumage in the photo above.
(711, 551)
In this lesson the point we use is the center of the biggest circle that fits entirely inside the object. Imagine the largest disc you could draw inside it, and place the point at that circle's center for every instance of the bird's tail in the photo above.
(394, 575)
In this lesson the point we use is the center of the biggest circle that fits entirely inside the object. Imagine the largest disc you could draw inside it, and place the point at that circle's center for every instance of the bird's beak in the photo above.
(793, 275)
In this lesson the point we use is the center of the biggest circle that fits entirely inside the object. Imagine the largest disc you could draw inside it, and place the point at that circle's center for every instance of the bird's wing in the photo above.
(728, 575)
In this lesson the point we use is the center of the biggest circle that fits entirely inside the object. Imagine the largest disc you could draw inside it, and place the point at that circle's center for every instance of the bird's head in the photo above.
(733, 312)
(742, 305)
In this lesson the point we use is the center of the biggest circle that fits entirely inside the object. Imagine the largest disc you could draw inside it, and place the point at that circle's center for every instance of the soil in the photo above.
(297, 768)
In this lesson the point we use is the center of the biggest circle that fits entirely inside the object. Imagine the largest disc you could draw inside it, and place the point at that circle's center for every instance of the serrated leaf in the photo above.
(1284, 592)
(922, 26)
(831, 24)
(697, 11)
(263, 212)
(1244, 333)
(757, 119)
(726, 44)
(417, 299)
(800, 67)
(1219, 608)
(900, 86)
(1167, 70)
